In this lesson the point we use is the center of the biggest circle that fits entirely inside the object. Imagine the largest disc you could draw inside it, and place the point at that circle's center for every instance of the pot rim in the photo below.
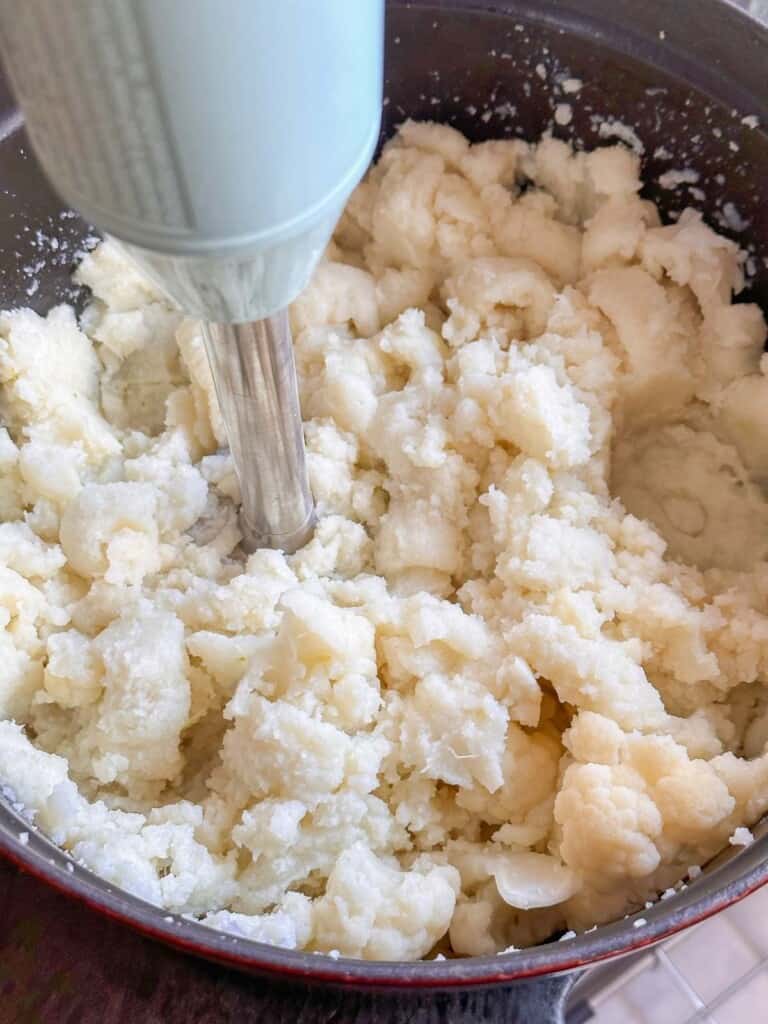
(708, 895)
(715, 890)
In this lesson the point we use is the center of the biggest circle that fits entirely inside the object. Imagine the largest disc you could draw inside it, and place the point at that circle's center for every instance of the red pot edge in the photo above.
(253, 965)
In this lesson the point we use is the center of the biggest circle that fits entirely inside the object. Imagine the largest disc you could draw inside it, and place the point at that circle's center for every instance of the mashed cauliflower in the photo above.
(515, 683)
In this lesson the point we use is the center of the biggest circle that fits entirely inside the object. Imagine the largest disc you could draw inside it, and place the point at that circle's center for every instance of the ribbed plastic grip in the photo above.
(224, 136)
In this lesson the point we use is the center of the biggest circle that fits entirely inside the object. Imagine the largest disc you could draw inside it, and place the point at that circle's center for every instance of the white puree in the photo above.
(484, 703)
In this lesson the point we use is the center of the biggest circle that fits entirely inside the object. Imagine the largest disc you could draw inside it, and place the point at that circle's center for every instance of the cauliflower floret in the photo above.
(318, 631)
(21, 676)
(597, 675)
(226, 658)
(656, 347)
(454, 730)
(181, 491)
(747, 782)
(29, 773)
(45, 363)
(191, 879)
(25, 618)
(515, 685)
(276, 749)
(412, 535)
(544, 552)
(409, 341)
(593, 737)
(614, 171)
(25, 553)
(141, 365)
(10, 482)
(341, 378)
(322, 660)
(338, 546)
(523, 802)
(337, 484)
(542, 418)
(401, 290)
(562, 173)
(373, 910)
(246, 604)
(512, 296)
(73, 671)
(435, 138)
(50, 380)
(527, 228)
(493, 163)
(337, 294)
(137, 725)
(690, 797)
(291, 844)
(402, 218)
(114, 278)
(288, 926)
(615, 232)
(53, 471)
(692, 254)
(608, 822)
(110, 530)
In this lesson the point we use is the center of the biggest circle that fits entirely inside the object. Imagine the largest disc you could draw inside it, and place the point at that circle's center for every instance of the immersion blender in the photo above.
(218, 140)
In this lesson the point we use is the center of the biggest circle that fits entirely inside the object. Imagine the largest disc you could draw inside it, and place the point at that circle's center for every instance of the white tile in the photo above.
(748, 1005)
(712, 956)
(656, 997)
(750, 917)
(615, 1010)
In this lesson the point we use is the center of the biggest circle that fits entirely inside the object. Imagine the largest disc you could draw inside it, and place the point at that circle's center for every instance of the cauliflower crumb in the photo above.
(741, 837)
(515, 682)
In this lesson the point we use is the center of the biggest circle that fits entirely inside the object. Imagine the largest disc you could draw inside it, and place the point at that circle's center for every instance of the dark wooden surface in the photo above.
(61, 963)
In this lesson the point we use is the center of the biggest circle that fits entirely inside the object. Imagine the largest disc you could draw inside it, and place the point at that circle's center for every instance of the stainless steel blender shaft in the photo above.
(255, 378)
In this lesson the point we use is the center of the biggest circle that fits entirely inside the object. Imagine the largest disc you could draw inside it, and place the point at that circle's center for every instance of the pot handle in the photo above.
(537, 1001)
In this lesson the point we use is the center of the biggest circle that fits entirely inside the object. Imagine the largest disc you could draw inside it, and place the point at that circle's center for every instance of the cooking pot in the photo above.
(686, 80)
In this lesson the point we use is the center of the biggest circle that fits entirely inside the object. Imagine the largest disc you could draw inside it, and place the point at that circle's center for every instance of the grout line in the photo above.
(701, 1017)
(680, 979)
(745, 979)
(701, 1011)
(639, 964)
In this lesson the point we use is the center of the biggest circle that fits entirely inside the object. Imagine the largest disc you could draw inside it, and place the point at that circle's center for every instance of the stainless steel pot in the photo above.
(682, 74)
